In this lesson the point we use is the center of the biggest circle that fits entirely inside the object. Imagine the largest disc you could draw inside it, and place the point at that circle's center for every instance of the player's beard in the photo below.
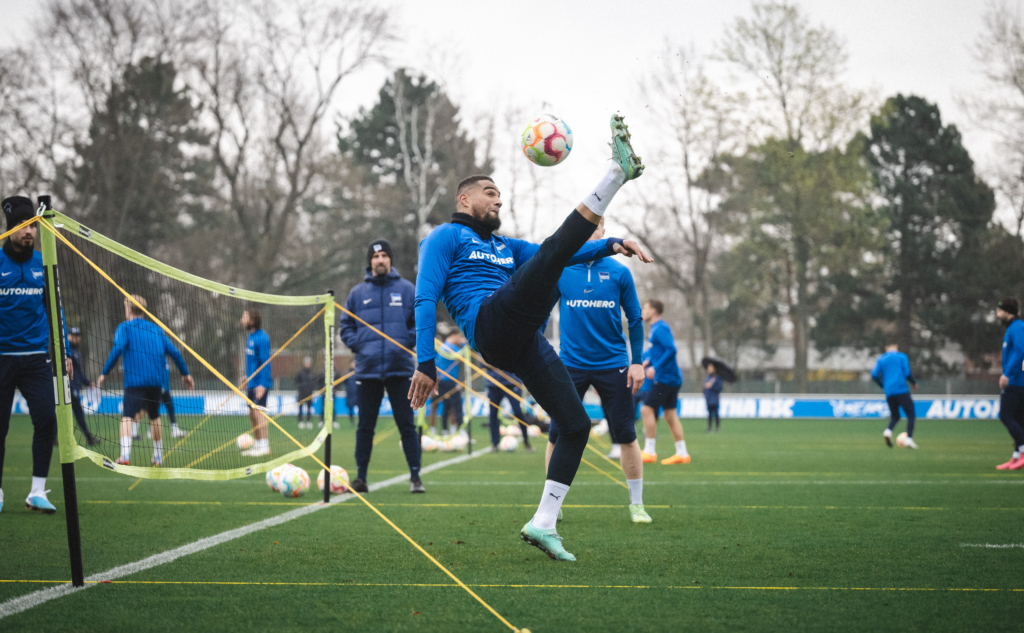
(491, 222)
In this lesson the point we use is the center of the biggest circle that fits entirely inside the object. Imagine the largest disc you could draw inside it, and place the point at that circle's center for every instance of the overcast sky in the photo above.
(581, 59)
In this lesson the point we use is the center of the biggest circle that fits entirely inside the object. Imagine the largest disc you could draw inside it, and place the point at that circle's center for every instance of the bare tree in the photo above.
(679, 218)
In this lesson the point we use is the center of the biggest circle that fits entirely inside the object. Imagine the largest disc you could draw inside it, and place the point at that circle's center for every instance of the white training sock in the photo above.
(158, 449)
(597, 201)
(636, 491)
(550, 504)
(135, 429)
(649, 444)
(681, 448)
(126, 448)
(1016, 454)
(38, 487)
(263, 445)
(1, 495)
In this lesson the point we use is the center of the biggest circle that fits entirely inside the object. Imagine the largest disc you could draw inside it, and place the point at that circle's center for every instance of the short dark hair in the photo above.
(255, 318)
(466, 183)
(658, 306)
(1011, 305)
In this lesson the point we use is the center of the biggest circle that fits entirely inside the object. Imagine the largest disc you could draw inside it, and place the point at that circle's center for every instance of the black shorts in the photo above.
(137, 399)
(663, 396)
(616, 399)
(251, 394)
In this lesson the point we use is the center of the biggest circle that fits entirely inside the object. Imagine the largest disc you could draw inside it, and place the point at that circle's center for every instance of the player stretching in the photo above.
(257, 353)
(1011, 383)
(664, 393)
(593, 349)
(892, 373)
(144, 347)
(500, 291)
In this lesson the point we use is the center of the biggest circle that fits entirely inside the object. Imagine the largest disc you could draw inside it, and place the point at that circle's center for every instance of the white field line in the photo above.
(994, 545)
(36, 598)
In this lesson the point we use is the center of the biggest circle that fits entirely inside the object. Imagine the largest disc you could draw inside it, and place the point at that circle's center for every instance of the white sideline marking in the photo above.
(994, 545)
(36, 598)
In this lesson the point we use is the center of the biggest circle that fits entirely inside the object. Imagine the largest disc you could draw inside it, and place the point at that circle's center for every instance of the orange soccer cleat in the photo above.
(1016, 464)
(647, 458)
(676, 459)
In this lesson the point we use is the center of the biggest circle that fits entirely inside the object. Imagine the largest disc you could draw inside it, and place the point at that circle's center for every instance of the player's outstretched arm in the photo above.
(630, 248)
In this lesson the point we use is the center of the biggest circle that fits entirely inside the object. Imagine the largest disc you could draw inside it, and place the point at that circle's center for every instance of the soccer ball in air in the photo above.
(547, 140)
(339, 480)
(509, 443)
(294, 482)
(244, 442)
(901, 440)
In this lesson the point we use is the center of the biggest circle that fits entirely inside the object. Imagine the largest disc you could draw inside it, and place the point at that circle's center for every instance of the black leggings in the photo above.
(307, 406)
(904, 401)
(1011, 413)
(76, 409)
(713, 414)
(32, 376)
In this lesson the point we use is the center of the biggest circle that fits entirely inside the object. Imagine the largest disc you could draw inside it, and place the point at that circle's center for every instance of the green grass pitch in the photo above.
(776, 525)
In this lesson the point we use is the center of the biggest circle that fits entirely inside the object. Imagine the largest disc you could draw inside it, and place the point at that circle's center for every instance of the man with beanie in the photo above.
(1011, 382)
(385, 301)
(25, 346)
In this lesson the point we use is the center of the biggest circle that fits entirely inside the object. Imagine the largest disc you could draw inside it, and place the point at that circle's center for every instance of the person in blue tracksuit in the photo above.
(664, 393)
(495, 395)
(79, 379)
(449, 400)
(1011, 382)
(144, 347)
(500, 291)
(712, 389)
(259, 379)
(592, 299)
(24, 346)
(386, 302)
(305, 385)
(892, 373)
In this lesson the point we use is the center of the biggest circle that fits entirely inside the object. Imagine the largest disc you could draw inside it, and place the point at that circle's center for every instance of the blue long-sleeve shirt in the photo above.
(891, 372)
(257, 352)
(593, 297)
(711, 393)
(144, 347)
(24, 328)
(1013, 352)
(663, 355)
(460, 267)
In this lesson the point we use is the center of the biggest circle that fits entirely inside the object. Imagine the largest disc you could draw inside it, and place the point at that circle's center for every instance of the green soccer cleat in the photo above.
(622, 151)
(638, 514)
(559, 520)
(547, 541)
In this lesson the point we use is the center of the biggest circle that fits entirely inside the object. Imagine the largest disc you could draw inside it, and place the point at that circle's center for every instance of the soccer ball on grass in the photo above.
(244, 442)
(509, 443)
(294, 482)
(339, 480)
(901, 440)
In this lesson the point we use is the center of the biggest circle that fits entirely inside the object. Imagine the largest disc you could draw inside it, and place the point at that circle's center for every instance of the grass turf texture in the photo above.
(777, 524)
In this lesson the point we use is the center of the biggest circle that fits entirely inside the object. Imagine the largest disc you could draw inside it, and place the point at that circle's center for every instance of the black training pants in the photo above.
(32, 376)
(1011, 413)
(371, 392)
(904, 401)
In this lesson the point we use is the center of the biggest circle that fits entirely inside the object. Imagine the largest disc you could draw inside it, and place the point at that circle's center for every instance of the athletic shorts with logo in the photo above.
(261, 402)
(137, 399)
(616, 400)
(663, 396)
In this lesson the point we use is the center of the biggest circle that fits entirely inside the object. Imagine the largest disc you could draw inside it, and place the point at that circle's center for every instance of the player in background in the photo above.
(25, 346)
(449, 399)
(664, 393)
(1011, 382)
(892, 373)
(593, 298)
(500, 292)
(305, 385)
(712, 389)
(385, 301)
(495, 395)
(168, 401)
(259, 379)
(79, 379)
(144, 346)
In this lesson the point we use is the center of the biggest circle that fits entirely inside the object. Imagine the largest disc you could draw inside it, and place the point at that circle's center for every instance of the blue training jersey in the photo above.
(663, 355)
(593, 297)
(257, 352)
(144, 347)
(892, 371)
(462, 268)
(1013, 352)
(451, 365)
(24, 328)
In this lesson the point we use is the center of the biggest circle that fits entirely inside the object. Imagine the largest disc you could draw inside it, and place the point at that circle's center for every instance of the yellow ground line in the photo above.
(132, 487)
(513, 586)
(385, 435)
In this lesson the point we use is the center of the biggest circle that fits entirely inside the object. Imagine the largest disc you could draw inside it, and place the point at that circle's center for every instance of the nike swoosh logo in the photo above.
(586, 291)
(365, 301)
(5, 274)
(622, 370)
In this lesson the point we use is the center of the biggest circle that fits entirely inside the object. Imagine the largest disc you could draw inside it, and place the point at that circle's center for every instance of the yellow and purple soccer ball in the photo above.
(339, 480)
(509, 443)
(245, 442)
(547, 140)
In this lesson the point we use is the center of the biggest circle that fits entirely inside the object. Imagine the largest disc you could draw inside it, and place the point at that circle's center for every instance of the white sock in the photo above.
(263, 445)
(598, 199)
(1, 496)
(158, 449)
(550, 504)
(135, 429)
(681, 448)
(636, 491)
(649, 443)
(126, 448)
(38, 487)
(1016, 454)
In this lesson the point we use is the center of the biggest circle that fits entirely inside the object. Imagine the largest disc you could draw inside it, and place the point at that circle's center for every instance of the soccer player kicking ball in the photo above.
(593, 350)
(664, 393)
(500, 291)
(892, 373)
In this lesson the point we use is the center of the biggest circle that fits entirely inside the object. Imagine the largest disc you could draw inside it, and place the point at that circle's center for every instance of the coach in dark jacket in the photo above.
(384, 301)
